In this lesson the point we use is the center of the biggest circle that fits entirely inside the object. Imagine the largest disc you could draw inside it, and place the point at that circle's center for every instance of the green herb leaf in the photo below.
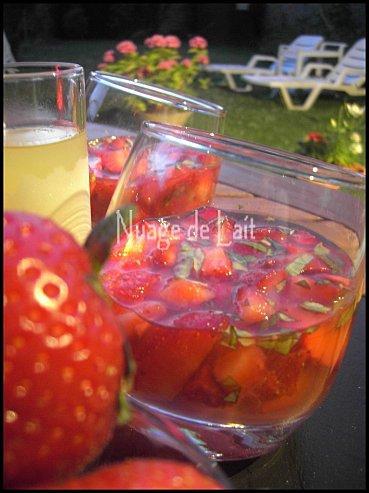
(297, 266)
(346, 316)
(183, 268)
(322, 281)
(328, 260)
(256, 246)
(303, 283)
(280, 286)
(282, 345)
(285, 317)
(230, 337)
(269, 322)
(232, 396)
(310, 330)
(313, 306)
(238, 266)
(230, 383)
(320, 249)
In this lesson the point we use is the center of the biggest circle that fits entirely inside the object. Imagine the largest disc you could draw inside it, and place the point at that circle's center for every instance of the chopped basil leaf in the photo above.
(189, 163)
(346, 316)
(241, 260)
(183, 268)
(257, 246)
(320, 249)
(310, 330)
(232, 396)
(280, 286)
(269, 322)
(313, 306)
(281, 345)
(230, 337)
(330, 263)
(285, 317)
(277, 246)
(297, 266)
(266, 242)
(238, 266)
(303, 283)
(189, 258)
(230, 383)
(322, 281)
(198, 258)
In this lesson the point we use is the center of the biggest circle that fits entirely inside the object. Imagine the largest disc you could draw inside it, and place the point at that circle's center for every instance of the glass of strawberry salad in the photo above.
(116, 107)
(238, 304)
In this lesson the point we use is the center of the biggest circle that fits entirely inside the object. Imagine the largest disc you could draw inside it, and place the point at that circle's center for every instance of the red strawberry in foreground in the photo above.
(146, 474)
(63, 355)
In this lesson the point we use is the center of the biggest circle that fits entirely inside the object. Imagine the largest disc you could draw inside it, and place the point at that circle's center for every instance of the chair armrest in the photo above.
(303, 55)
(349, 71)
(309, 67)
(261, 58)
(332, 45)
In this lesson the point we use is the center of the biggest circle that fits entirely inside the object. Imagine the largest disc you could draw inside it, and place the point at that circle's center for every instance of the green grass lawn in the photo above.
(252, 116)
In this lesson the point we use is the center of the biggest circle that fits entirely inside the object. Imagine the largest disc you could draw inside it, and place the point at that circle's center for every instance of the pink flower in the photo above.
(204, 59)
(172, 42)
(186, 62)
(198, 42)
(101, 66)
(156, 41)
(126, 47)
(166, 64)
(109, 56)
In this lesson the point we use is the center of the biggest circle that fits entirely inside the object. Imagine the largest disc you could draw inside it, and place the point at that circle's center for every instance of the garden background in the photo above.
(81, 33)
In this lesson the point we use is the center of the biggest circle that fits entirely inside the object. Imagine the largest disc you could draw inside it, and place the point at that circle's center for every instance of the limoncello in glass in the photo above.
(45, 145)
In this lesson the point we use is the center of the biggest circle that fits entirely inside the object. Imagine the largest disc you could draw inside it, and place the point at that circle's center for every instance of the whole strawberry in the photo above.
(63, 356)
(141, 474)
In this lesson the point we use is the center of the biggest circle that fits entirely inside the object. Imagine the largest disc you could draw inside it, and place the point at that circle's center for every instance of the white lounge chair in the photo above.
(347, 76)
(287, 57)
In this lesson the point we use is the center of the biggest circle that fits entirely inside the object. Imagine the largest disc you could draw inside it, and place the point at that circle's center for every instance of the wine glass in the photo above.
(116, 107)
(238, 305)
(45, 143)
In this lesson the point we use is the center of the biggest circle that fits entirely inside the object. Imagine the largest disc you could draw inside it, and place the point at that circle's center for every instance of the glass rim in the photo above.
(56, 69)
(158, 93)
(231, 148)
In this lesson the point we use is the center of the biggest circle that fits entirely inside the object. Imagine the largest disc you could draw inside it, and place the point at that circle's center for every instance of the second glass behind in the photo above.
(116, 108)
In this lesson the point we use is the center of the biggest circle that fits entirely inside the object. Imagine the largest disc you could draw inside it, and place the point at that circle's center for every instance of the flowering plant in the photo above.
(161, 63)
(341, 143)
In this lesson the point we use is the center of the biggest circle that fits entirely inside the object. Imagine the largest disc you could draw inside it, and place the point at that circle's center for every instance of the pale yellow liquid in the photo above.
(46, 173)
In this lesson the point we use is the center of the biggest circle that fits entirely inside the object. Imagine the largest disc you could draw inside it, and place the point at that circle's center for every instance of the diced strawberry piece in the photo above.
(183, 293)
(202, 387)
(202, 320)
(326, 344)
(165, 256)
(161, 351)
(131, 286)
(253, 307)
(244, 365)
(208, 214)
(305, 288)
(270, 280)
(216, 263)
(304, 238)
(221, 231)
(151, 310)
(112, 151)
(316, 265)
